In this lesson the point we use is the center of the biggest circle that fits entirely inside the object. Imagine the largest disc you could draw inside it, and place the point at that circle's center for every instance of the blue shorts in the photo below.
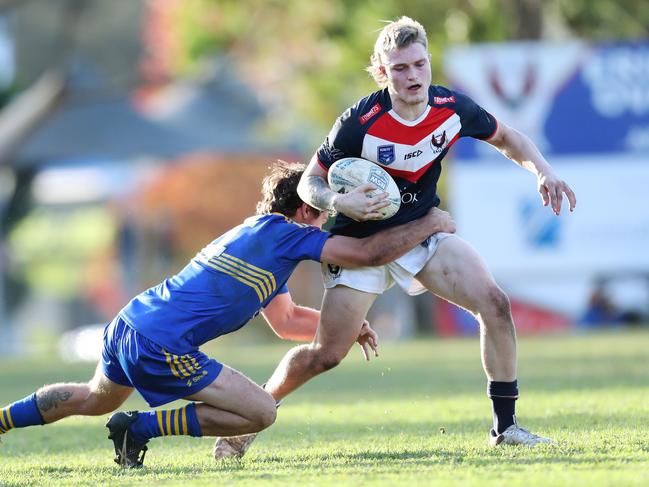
(130, 359)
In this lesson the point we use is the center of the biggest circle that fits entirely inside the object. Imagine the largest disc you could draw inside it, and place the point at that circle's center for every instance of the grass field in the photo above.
(416, 416)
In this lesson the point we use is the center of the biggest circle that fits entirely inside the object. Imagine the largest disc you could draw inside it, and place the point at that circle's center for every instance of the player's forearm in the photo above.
(519, 148)
(302, 325)
(315, 191)
(390, 244)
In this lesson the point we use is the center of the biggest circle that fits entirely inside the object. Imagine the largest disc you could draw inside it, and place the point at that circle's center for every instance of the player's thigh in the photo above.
(105, 392)
(233, 391)
(457, 273)
(341, 317)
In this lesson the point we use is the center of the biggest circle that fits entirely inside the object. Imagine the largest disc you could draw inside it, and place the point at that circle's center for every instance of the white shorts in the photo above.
(376, 280)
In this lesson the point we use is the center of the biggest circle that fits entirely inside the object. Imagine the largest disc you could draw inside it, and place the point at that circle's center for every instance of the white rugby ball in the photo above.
(346, 174)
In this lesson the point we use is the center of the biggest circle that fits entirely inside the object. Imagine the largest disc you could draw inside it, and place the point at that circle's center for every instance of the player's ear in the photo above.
(302, 212)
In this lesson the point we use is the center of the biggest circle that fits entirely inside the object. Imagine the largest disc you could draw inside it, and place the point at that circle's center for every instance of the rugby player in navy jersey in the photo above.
(153, 343)
(408, 127)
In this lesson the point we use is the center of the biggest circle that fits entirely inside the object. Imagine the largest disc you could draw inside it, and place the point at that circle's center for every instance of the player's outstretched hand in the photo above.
(439, 221)
(552, 190)
(360, 205)
(368, 339)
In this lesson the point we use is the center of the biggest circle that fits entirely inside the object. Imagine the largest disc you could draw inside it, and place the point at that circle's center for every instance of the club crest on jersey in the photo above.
(334, 270)
(438, 141)
(385, 154)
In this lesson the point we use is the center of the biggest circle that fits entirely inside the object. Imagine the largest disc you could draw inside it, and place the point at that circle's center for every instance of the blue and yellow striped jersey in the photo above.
(226, 284)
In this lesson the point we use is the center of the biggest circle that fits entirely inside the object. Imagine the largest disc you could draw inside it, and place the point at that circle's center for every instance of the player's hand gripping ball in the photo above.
(346, 174)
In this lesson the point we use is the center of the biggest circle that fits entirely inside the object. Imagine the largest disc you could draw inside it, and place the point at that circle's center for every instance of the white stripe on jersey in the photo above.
(449, 129)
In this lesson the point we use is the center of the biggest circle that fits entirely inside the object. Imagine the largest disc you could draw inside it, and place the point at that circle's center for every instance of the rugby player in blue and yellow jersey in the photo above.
(153, 343)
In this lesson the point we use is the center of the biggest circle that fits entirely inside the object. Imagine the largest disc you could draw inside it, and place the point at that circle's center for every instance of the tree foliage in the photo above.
(306, 58)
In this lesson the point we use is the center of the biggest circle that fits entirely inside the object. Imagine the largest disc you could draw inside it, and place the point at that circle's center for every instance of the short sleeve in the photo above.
(344, 140)
(302, 242)
(476, 121)
(283, 289)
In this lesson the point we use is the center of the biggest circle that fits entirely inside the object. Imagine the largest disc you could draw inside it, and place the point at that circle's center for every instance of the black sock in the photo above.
(503, 397)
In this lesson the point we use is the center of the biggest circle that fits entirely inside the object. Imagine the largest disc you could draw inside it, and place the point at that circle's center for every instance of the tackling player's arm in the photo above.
(292, 322)
(314, 190)
(386, 245)
(520, 149)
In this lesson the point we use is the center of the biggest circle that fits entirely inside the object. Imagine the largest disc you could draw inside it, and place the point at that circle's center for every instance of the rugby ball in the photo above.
(346, 174)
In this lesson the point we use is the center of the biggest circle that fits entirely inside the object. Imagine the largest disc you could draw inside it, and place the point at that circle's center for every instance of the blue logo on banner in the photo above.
(385, 154)
(540, 226)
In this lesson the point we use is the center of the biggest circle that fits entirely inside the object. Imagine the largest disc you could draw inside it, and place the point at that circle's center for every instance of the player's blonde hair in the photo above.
(396, 35)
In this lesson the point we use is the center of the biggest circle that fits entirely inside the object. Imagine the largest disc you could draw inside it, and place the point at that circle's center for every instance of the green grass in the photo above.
(416, 416)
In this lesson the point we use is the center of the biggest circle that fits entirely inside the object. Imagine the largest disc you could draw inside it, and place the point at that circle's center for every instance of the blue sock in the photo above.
(503, 397)
(20, 414)
(151, 424)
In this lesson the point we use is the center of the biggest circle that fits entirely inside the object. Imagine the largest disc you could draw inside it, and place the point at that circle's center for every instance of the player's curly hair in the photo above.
(279, 189)
(396, 35)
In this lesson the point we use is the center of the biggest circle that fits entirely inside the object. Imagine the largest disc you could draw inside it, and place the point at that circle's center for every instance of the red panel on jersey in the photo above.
(391, 130)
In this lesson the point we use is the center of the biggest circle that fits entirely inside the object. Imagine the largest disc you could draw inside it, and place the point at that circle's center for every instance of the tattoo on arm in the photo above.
(320, 195)
(51, 399)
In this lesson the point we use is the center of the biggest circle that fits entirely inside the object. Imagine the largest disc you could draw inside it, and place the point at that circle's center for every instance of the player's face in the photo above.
(408, 74)
(321, 219)
(311, 217)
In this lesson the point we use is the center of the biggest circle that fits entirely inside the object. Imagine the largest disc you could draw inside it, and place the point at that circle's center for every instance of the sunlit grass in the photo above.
(416, 416)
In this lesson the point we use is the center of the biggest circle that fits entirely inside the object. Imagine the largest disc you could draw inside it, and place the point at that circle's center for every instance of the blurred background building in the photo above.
(132, 132)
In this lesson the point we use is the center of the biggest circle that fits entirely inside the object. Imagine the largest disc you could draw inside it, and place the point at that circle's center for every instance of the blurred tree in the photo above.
(305, 58)
(188, 204)
(605, 19)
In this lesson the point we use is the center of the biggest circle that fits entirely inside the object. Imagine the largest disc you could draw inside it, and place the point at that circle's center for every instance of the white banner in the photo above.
(540, 256)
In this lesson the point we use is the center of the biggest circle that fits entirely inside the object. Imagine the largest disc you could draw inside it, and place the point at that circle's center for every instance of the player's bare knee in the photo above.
(267, 417)
(328, 359)
(264, 415)
(495, 306)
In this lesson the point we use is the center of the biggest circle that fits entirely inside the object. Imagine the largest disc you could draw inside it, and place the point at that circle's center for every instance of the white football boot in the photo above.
(515, 435)
(233, 446)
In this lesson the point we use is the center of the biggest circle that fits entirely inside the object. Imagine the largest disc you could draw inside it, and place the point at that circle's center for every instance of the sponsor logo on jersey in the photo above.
(373, 111)
(410, 155)
(407, 198)
(438, 141)
(385, 154)
(441, 100)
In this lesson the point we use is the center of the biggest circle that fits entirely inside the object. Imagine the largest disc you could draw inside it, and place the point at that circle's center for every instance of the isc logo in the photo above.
(412, 154)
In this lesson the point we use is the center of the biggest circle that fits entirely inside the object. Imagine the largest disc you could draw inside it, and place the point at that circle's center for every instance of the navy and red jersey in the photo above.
(411, 151)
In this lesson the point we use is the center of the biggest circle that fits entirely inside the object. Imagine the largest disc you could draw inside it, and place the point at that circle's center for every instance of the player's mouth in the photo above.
(414, 88)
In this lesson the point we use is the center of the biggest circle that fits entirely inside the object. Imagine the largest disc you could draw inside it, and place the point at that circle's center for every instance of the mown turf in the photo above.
(416, 416)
